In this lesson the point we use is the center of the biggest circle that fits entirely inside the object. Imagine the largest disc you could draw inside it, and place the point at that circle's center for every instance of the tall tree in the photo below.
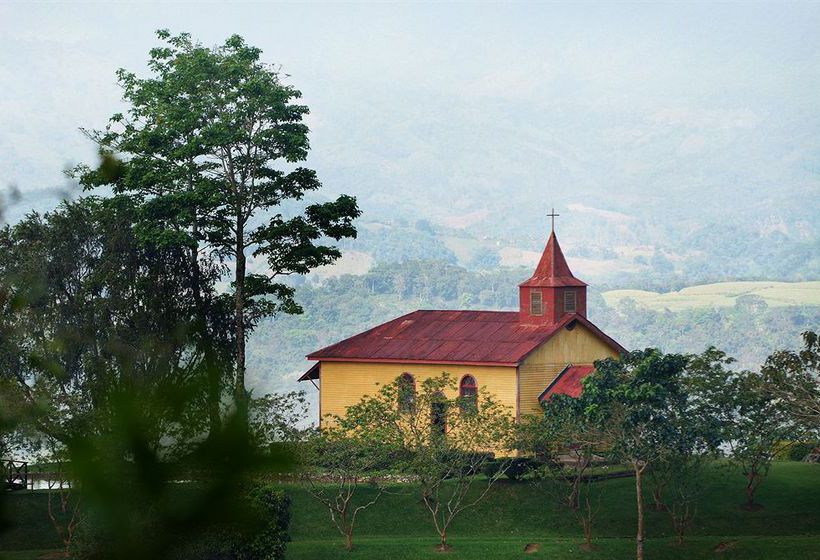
(564, 444)
(794, 377)
(762, 426)
(446, 441)
(630, 398)
(209, 144)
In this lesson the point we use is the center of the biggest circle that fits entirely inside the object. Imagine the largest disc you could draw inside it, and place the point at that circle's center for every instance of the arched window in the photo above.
(407, 392)
(468, 393)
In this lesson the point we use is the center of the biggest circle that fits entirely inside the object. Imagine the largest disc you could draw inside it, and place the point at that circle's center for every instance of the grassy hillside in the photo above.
(515, 514)
(750, 548)
(724, 294)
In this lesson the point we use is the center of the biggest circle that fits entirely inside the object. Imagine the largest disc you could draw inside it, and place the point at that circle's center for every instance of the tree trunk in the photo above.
(573, 501)
(587, 524)
(639, 498)
(657, 491)
(240, 393)
(212, 372)
(349, 539)
(751, 488)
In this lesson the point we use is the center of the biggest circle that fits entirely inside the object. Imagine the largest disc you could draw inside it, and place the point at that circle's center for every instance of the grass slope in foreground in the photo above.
(515, 514)
(751, 548)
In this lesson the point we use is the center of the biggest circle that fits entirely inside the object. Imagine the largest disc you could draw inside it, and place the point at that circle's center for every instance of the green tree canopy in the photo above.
(209, 146)
(631, 398)
(90, 311)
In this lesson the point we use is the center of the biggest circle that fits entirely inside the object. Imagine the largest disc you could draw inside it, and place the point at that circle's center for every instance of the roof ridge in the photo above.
(469, 310)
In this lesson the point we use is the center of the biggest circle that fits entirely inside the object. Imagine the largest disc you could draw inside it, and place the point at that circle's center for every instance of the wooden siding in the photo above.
(577, 346)
(344, 383)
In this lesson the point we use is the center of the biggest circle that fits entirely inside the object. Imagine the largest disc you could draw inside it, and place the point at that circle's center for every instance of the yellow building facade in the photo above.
(519, 357)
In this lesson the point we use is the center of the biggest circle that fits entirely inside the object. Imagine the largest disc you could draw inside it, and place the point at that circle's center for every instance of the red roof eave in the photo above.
(568, 382)
(312, 373)
(414, 361)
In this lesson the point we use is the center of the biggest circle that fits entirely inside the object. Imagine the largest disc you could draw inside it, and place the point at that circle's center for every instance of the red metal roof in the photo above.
(568, 382)
(456, 337)
(552, 269)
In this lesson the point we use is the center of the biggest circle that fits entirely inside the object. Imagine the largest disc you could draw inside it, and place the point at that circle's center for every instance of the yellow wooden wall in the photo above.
(577, 346)
(344, 383)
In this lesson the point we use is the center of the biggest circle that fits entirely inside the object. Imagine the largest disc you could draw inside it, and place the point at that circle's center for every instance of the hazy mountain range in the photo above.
(685, 134)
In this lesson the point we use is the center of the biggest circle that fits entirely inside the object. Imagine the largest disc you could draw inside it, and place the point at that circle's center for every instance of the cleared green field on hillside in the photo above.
(724, 294)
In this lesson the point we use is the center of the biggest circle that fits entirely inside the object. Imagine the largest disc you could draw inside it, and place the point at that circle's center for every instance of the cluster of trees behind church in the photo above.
(124, 318)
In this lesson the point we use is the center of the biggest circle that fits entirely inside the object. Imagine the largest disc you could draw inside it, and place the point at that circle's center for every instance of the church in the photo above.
(521, 357)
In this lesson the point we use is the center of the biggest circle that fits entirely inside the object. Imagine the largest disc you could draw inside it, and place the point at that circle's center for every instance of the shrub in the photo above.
(468, 464)
(519, 467)
(491, 468)
(794, 450)
(259, 531)
(798, 450)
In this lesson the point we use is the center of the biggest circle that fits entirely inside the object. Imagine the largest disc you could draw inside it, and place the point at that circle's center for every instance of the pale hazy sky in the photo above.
(414, 90)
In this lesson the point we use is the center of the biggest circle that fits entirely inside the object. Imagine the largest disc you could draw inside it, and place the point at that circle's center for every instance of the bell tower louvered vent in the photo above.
(552, 291)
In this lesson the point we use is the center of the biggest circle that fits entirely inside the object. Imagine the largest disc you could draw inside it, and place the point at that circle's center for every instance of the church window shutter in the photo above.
(536, 302)
(569, 301)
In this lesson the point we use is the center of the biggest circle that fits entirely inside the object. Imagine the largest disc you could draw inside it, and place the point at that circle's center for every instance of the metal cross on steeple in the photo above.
(553, 215)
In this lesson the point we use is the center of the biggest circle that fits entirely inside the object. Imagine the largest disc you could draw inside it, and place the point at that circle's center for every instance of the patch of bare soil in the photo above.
(723, 546)
(531, 548)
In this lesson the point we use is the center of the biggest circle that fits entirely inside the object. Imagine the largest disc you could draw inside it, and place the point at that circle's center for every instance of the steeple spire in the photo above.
(552, 291)
(552, 269)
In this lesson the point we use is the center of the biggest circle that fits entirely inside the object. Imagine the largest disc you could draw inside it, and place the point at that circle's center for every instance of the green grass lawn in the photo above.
(747, 548)
(515, 514)
(24, 554)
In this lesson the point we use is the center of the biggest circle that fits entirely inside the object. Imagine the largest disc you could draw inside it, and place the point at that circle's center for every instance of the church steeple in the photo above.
(552, 291)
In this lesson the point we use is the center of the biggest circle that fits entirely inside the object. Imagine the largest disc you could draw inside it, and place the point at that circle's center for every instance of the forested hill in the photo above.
(747, 325)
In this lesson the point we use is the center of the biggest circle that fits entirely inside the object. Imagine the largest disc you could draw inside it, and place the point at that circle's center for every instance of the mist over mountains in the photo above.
(686, 142)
